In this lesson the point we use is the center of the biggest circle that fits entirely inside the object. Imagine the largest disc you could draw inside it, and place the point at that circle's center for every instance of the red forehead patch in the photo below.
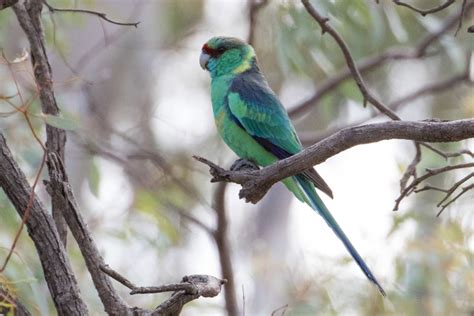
(207, 49)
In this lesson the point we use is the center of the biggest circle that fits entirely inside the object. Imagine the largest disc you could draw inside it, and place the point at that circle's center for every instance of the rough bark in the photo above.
(29, 17)
(256, 183)
(42, 230)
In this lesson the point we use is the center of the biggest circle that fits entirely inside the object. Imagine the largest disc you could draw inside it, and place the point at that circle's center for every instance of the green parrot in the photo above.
(254, 124)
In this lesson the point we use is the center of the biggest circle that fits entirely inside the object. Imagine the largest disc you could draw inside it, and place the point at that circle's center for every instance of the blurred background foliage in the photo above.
(137, 107)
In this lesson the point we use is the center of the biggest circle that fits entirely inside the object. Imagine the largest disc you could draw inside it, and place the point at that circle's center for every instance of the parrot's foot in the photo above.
(242, 164)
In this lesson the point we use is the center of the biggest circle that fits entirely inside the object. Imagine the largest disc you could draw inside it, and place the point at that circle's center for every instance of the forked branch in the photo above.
(190, 288)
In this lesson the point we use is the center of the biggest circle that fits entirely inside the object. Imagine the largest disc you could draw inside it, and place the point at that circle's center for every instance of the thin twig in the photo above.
(464, 190)
(429, 173)
(367, 95)
(99, 14)
(281, 308)
(375, 61)
(463, 10)
(429, 187)
(425, 12)
(434, 88)
(448, 192)
(454, 187)
(117, 276)
(411, 170)
(26, 213)
(449, 155)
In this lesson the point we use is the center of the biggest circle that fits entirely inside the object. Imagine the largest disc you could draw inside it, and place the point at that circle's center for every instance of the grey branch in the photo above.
(190, 288)
(430, 173)
(60, 189)
(425, 12)
(256, 183)
(222, 242)
(42, 230)
(463, 190)
(99, 14)
(29, 17)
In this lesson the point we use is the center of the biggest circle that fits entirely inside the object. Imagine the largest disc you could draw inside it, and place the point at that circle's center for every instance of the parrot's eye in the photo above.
(220, 50)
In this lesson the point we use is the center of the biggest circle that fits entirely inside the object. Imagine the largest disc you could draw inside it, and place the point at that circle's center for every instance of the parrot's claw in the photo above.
(242, 164)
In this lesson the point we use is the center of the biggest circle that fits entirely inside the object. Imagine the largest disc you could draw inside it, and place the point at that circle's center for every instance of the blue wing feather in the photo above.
(257, 109)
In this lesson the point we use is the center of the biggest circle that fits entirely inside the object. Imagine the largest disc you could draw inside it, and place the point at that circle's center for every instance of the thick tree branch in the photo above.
(256, 183)
(29, 17)
(42, 230)
(60, 189)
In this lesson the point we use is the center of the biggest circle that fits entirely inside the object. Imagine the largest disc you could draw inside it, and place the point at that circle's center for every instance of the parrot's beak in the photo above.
(203, 59)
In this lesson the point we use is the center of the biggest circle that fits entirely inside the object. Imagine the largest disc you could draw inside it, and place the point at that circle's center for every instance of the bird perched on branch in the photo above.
(254, 124)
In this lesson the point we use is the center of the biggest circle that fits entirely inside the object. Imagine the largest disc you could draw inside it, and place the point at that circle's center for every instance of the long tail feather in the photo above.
(317, 204)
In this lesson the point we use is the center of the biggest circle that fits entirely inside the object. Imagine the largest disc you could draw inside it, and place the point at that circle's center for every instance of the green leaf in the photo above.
(94, 178)
(68, 124)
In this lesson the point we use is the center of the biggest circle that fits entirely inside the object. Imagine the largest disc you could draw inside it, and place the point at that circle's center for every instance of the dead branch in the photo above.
(425, 12)
(429, 89)
(190, 288)
(99, 14)
(464, 190)
(430, 173)
(449, 155)
(256, 183)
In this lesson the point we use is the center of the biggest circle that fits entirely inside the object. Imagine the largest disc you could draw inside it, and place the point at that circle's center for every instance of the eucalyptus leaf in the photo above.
(68, 124)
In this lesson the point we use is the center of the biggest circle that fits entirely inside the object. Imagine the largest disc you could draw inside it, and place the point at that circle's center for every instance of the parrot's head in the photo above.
(226, 55)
